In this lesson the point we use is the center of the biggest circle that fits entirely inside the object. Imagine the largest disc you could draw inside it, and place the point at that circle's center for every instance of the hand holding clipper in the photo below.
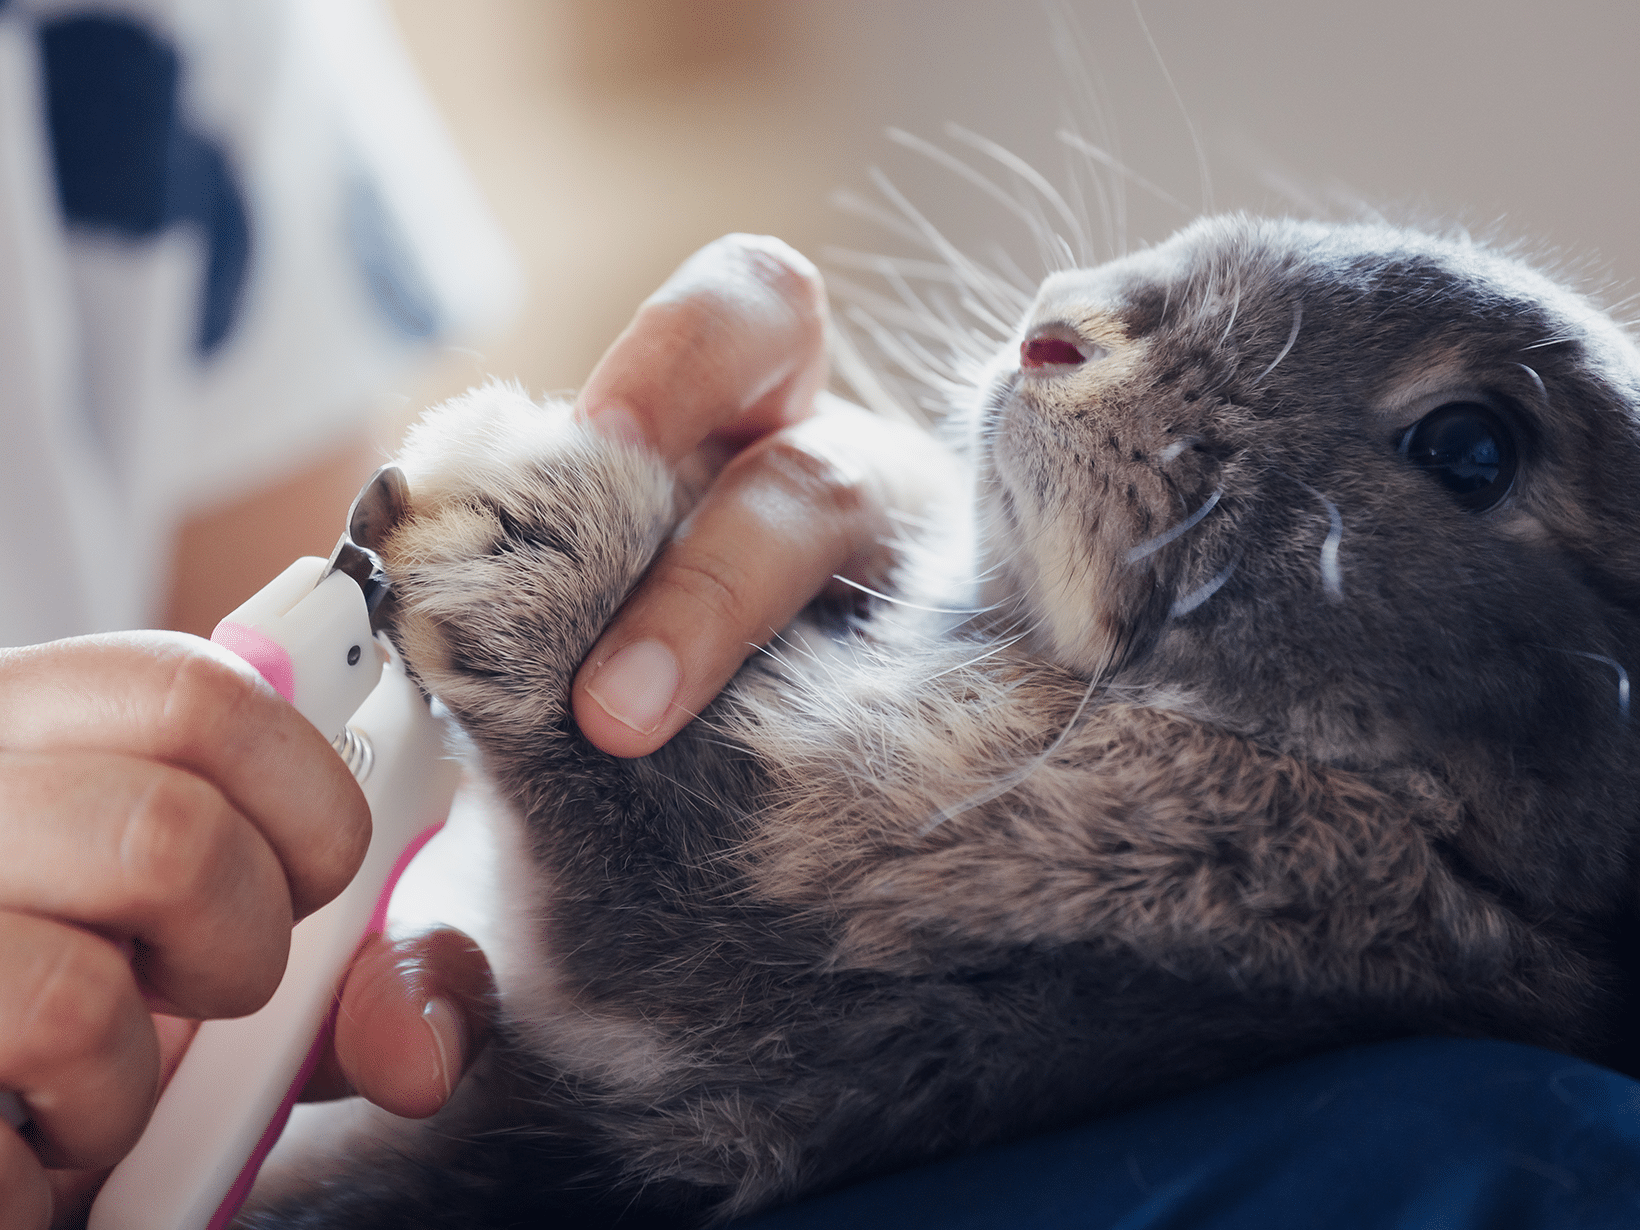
(311, 633)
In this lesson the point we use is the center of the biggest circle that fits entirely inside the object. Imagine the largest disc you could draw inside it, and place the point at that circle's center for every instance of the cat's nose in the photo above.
(1053, 347)
(1049, 352)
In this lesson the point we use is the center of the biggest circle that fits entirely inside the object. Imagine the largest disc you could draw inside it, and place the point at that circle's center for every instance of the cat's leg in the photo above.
(525, 532)
(655, 995)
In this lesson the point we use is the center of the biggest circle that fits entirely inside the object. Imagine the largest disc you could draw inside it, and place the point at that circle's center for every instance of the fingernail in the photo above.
(614, 421)
(449, 1039)
(636, 686)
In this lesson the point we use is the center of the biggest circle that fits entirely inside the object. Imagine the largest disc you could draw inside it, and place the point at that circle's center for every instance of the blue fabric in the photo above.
(390, 270)
(1413, 1135)
(127, 162)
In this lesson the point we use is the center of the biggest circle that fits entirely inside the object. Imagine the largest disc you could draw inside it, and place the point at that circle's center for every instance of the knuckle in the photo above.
(709, 582)
(733, 280)
(204, 696)
(252, 984)
(777, 264)
(172, 847)
(813, 475)
(74, 1010)
(699, 323)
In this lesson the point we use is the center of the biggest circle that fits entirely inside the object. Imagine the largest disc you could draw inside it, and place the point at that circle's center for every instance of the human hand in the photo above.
(721, 372)
(165, 819)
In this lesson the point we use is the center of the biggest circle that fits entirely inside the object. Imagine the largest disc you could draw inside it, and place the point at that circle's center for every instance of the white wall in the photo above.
(1512, 115)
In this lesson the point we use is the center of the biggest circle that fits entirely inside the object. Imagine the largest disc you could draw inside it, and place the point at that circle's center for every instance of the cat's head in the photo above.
(1369, 496)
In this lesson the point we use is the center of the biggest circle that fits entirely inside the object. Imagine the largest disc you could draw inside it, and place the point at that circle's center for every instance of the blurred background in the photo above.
(612, 137)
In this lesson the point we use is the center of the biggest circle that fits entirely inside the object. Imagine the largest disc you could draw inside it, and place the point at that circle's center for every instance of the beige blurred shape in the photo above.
(613, 137)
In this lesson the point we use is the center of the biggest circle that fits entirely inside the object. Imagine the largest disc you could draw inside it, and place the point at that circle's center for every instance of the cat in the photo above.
(1283, 706)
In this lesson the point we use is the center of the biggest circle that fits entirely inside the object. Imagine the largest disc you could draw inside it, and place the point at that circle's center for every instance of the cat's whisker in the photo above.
(864, 381)
(1079, 68)
(935, 610)
(907, 318)
(1292, 337)
(1002, 644)
(1030, 175)
(1077, 198)
(1190, 125)
(1189, 602)
(1040, 231)
(1013, 780)
(1087, 148)
(1110, 198)
(931, 316)
(1010, 268)
(1172, 451)
(899, 352)
(851, 202)
(977, 279)
(999, 287)
(1235, 306)
(1537, 383)
(1152, 545)
(976, 347)
(874, 262)
(927, 315)
(1332, 576)
(1622, 675)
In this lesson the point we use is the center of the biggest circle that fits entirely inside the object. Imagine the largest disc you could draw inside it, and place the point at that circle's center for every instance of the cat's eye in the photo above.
(1467, 447)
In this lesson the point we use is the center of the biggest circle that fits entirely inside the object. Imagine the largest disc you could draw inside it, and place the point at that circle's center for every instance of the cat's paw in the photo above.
(524, 533)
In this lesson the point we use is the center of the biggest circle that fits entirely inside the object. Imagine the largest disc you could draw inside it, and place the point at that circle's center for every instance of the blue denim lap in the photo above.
(1421, 1133)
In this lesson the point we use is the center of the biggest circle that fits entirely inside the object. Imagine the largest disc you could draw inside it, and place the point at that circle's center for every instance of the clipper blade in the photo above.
(380, 505)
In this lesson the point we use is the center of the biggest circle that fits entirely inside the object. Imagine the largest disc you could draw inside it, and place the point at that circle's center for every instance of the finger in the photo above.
(788, 513)
(733, 342)
(145, 851)
(25, 1194)
(174, 1034)
(178, 699)
(76, 1043)
(413, 1015)
(73, 1190)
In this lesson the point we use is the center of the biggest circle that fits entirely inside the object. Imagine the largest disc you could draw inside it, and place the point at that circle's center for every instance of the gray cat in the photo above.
(1294, 715)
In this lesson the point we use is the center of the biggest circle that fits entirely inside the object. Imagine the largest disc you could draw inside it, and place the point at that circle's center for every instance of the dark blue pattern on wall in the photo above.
(390, 270)
(126, 160)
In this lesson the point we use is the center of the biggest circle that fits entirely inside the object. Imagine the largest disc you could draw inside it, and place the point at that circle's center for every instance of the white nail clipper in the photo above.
(311, 632)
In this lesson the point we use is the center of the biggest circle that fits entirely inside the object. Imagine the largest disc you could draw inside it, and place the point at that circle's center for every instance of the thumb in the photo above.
(414, 1013)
